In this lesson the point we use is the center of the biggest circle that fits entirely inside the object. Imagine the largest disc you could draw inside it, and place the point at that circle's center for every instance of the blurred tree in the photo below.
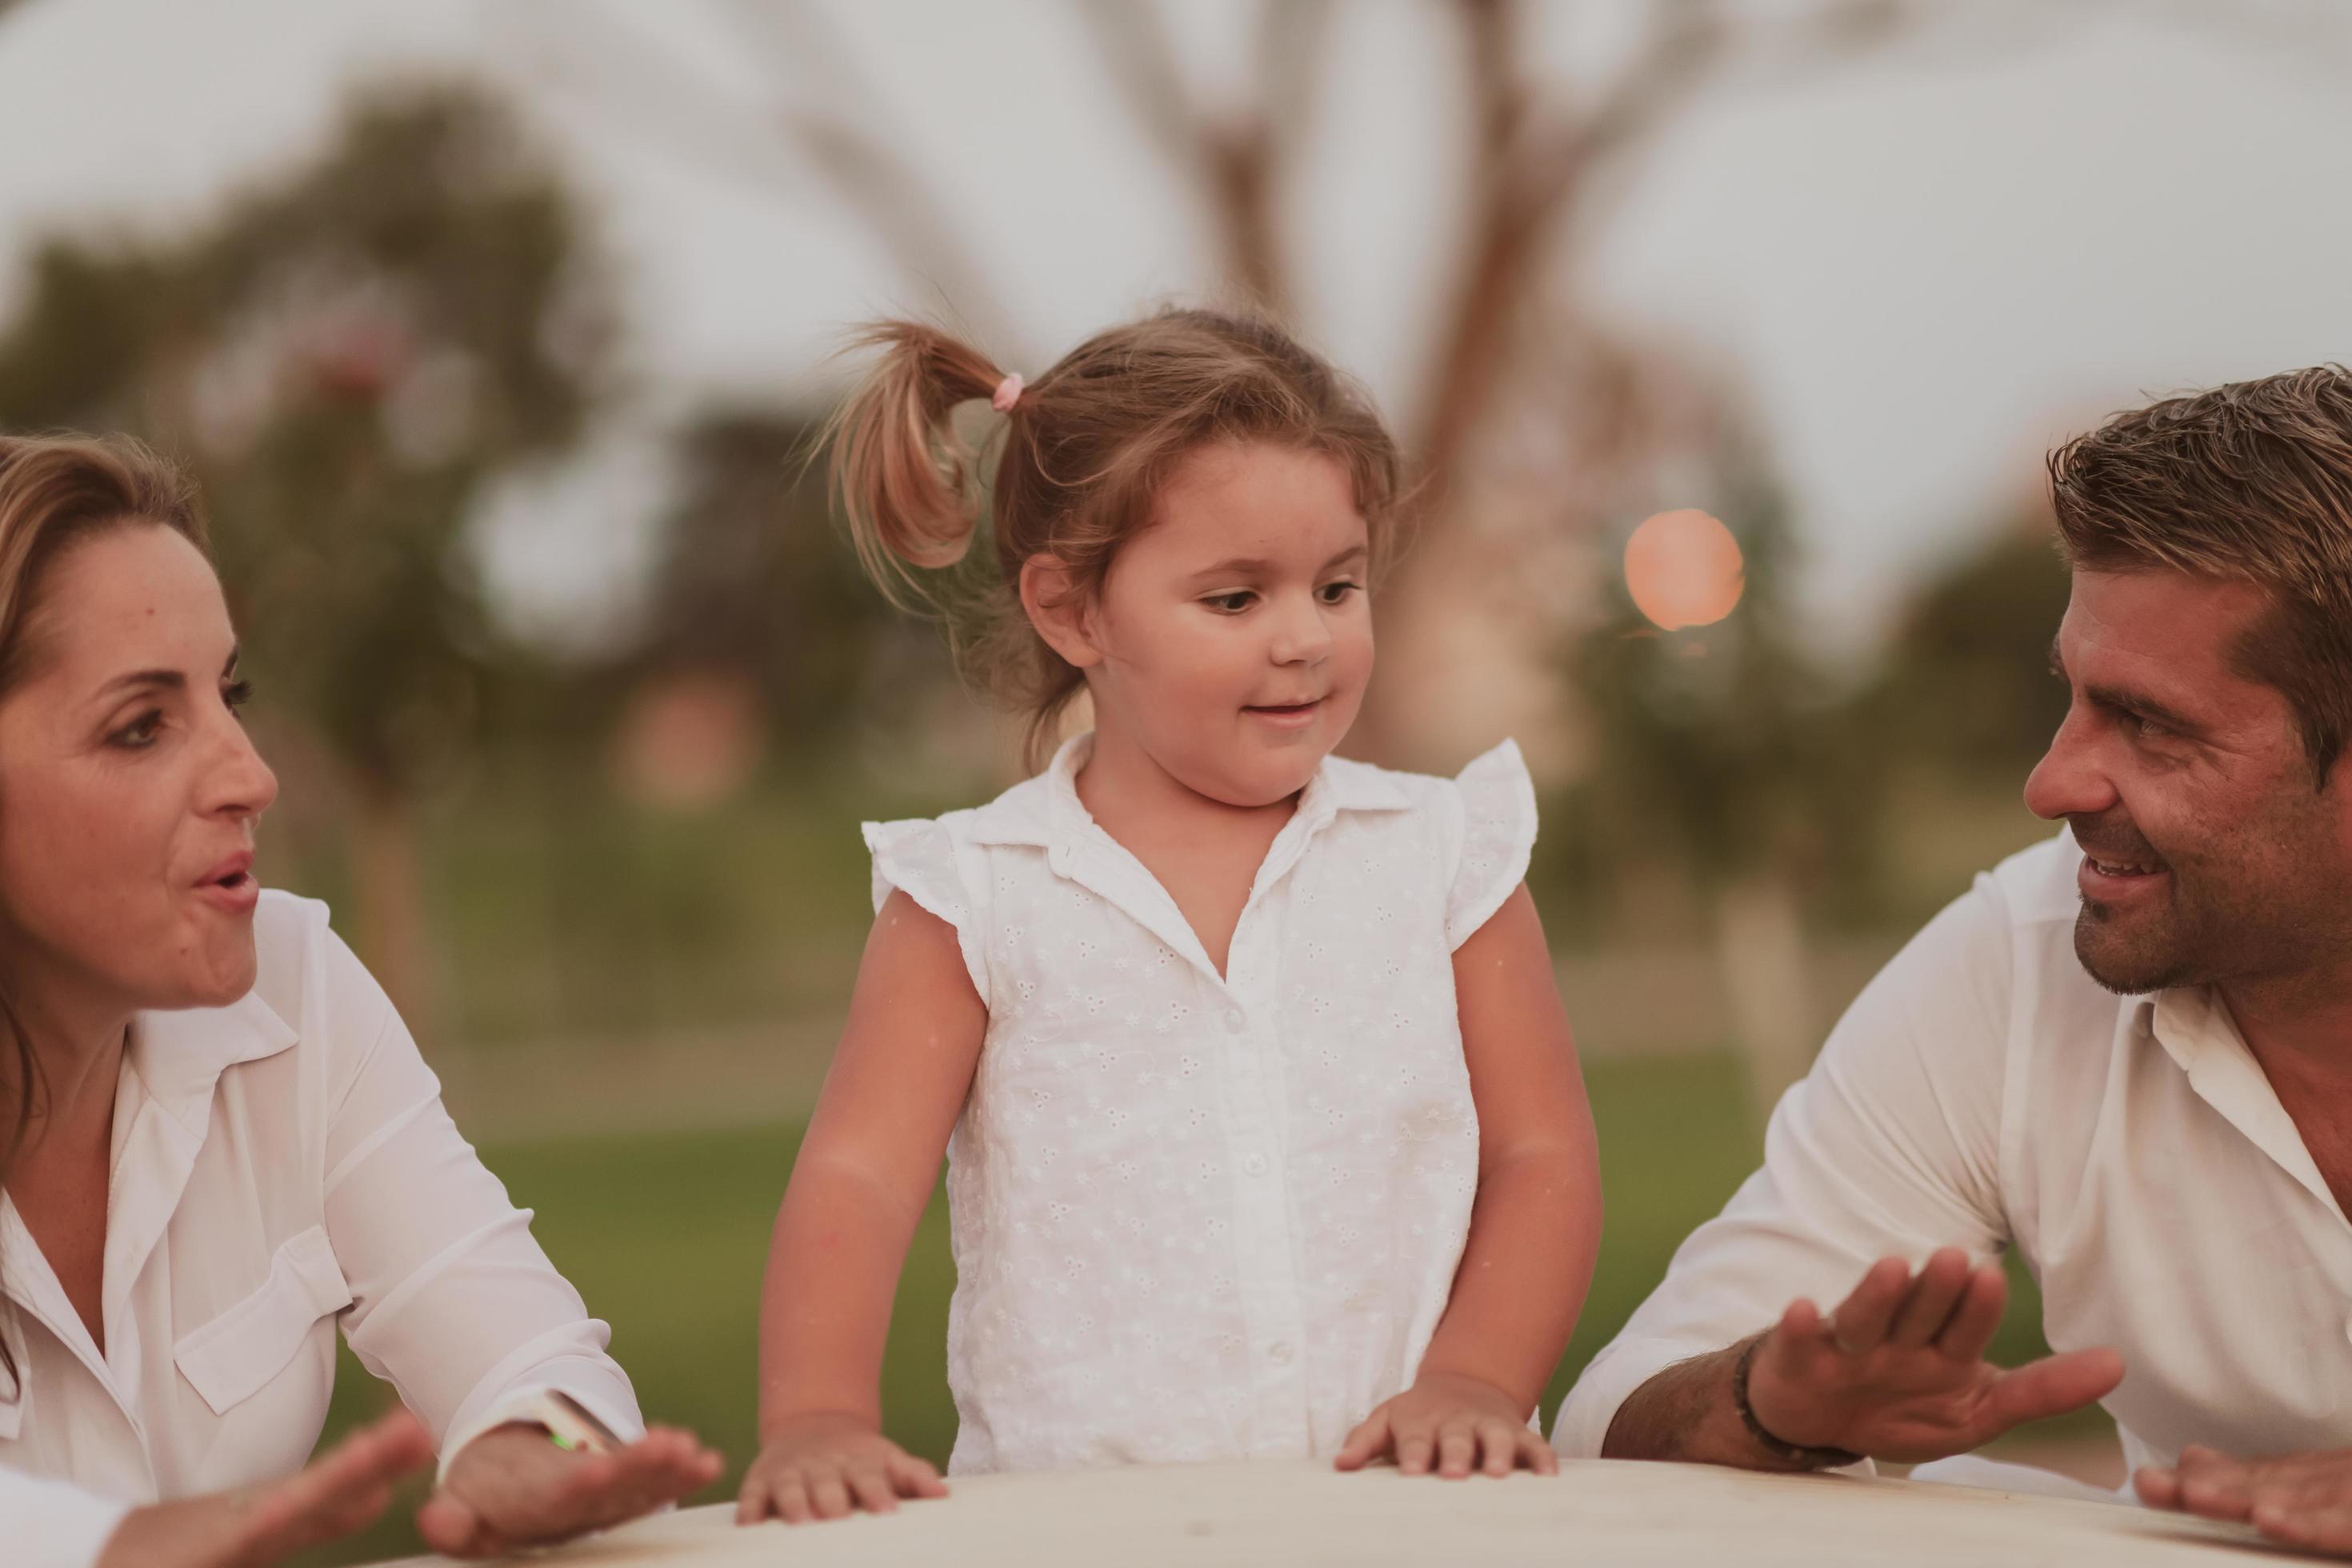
(1966, 688)
(1727, 756)
(1545, 167)
(754, 580)
(351, 358)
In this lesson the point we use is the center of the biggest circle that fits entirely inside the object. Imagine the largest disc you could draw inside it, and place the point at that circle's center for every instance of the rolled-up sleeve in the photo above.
(1890, 1145)
(54, 1524)
(453, 1300)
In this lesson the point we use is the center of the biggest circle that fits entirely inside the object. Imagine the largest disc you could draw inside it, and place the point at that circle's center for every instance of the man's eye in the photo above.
(1230, 604)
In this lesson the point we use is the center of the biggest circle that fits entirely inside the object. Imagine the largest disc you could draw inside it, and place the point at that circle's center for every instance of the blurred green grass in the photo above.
(666, 1235)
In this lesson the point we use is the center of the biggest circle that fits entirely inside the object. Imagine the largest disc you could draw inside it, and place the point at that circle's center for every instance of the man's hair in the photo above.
(2250, 482)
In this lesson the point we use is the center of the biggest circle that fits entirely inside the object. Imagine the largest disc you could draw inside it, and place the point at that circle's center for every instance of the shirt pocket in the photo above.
(230, 1358)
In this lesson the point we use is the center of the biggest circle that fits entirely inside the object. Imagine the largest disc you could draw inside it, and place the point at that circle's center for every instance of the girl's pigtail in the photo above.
(902, 476)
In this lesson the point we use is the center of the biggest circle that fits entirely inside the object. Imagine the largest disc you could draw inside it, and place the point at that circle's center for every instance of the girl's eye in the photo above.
(1337, 593)
(1230, 604)
(140, 733)
(236, 694)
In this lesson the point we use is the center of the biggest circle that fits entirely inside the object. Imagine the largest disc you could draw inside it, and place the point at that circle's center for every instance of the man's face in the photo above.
(2210, 855)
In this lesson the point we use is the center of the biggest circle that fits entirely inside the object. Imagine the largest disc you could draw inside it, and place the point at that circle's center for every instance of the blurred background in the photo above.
(497, 333)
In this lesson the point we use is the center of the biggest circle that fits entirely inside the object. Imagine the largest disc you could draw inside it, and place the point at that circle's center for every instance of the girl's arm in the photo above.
(1533, 1230)
(865, 1172)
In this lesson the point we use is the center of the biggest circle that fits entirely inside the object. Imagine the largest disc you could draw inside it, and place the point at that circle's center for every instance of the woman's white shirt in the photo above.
(280, 1166)
(1202, 1216)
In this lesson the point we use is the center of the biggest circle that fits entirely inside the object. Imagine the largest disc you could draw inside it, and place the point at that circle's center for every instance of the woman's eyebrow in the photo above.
(171, 679)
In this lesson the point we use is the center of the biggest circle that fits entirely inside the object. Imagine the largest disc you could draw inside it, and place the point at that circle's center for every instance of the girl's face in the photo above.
(1232, 639)
(127, 790)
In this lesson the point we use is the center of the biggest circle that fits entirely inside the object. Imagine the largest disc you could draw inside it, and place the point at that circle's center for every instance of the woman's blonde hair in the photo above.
(1085, 450)
(55, 492)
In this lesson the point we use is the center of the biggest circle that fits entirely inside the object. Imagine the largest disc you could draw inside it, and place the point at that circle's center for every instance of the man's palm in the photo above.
(1898, 1371)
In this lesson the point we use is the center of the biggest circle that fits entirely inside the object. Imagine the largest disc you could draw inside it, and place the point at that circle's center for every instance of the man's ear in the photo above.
(1060, 614)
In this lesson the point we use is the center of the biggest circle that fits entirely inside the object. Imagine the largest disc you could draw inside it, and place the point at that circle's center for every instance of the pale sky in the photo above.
(1927, 266)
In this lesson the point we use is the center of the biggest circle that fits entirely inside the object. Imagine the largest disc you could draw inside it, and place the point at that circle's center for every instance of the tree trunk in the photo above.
(1767, 967)
(388, 886)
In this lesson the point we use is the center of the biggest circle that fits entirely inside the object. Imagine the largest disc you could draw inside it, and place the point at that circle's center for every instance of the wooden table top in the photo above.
(1595, 1514)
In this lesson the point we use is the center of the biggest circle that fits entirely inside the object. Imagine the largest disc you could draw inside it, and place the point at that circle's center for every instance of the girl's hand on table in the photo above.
(1454, 1423)
(514, 1486)
(255, 1527)
(825, 1466)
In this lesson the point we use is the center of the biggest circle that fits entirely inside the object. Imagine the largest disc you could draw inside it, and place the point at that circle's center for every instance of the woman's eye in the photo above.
(140, 733)
(1230, 604)
(236, 694)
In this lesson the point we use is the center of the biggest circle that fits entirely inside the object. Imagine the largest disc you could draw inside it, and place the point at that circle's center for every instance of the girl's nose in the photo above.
(1301, 638)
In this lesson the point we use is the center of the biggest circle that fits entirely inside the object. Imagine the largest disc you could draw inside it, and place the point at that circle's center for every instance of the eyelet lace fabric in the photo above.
(1197, 1217)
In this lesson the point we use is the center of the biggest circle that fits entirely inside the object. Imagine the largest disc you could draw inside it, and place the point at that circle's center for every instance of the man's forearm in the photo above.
(1687, 1413)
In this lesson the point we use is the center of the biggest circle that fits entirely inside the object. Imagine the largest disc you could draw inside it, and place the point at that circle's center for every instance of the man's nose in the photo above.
(2068, 781)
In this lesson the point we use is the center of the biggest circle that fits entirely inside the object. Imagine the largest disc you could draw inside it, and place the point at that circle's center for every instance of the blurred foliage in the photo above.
(1965, 686)
(349, 359)
(1724, 753)
(755, 579)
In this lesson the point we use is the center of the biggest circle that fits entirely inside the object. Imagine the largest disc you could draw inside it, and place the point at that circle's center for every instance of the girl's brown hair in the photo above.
(1084, 452)
(55, 492)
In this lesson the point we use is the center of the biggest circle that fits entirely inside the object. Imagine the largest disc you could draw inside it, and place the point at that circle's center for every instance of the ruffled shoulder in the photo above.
(1497, 802)
(919, 858)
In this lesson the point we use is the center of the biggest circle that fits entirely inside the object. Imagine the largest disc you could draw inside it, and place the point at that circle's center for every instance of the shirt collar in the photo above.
(180, 1056)
(1047, 811)
(2197, 1032)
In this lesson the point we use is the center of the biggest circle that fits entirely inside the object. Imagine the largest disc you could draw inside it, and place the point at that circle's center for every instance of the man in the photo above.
(2127, 1053)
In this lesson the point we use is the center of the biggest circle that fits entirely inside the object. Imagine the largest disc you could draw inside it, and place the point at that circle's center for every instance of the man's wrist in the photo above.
(1811, 1457)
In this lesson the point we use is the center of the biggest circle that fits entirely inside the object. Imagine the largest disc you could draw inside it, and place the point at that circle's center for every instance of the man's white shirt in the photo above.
(280, 1166)
(1985, 1092)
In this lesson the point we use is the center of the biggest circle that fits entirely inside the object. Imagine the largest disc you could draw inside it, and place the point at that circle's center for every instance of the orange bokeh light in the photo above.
(1683, 568)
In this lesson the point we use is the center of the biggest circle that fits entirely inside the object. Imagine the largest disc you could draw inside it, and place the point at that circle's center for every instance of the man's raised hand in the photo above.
(1897, 1371)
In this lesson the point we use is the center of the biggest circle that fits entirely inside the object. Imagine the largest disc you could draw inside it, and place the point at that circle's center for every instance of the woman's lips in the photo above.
(230, 886)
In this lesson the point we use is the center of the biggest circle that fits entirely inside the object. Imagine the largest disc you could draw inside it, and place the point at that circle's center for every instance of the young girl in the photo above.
(1264, 1130)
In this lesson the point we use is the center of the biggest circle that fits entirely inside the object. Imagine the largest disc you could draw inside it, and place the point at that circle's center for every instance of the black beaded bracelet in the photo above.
(1811, 1458)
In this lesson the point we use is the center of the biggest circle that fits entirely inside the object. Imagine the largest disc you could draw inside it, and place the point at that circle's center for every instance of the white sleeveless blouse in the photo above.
(1198, 1218)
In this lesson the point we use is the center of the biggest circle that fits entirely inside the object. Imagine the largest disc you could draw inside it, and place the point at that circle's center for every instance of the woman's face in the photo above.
(128, 793)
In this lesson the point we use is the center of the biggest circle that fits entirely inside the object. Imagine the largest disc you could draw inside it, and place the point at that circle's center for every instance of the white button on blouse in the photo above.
(1202, 1217)
(280, 1166)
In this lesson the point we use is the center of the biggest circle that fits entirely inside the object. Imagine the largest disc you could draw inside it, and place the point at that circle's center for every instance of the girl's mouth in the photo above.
(1287, 715)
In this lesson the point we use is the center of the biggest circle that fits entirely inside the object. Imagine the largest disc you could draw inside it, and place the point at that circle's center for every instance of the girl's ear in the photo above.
(1059, 611)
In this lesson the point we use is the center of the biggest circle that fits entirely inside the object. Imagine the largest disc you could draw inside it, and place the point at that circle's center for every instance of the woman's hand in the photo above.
(514, 1486)
(822, 1466)
(1458, 1423)
(258, 1526)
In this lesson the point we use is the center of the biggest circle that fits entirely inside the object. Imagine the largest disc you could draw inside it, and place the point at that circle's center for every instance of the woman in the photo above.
(216, 1138)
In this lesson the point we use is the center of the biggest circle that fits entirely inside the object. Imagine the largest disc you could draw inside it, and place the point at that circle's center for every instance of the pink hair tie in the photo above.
(1007, 394)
